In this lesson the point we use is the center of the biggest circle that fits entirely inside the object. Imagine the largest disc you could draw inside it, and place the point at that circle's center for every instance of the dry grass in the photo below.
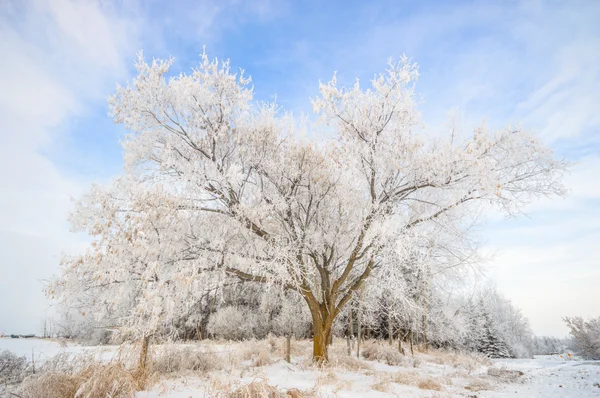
(429, 384)
(409, 378)
(349, 363)
(259, 353)
(111, 380)
(478, 385)
(325, 378)
(382, 386)
(173, 359)
(260, 388)
(296, 393)
(97, 381)
(383, 352)
(256, 389)
(406, 378)
(505, 374)
(461, 360)
(68, 376)
(50, 385)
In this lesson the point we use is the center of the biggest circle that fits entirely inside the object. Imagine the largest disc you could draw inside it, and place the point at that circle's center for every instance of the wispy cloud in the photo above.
(57, 61)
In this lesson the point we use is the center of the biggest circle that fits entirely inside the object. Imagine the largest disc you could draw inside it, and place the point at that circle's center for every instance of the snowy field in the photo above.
(259, 364)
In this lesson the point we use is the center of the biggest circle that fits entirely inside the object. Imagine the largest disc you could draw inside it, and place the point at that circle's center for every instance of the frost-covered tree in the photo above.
(489, 342)
(491, 319)
(511, 325)
(549, 345)
(586, 334)
(218, 186)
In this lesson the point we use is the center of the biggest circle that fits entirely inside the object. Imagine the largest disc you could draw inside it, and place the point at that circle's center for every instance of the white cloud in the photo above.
(56, 64)
(60, 60)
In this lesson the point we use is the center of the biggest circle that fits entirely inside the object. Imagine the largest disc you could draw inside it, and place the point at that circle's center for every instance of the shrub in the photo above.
(13, 368)
(231, 323)
(382, 352)
(587, 336)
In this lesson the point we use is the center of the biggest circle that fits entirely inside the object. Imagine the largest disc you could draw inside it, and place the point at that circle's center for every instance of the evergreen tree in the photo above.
(488, 342)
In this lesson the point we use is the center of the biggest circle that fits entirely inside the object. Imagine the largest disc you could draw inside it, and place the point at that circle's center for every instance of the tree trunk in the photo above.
(288, 346)
(358, 333)
(425, 344)
(351, 330)
(400, 345)
(351, 324)
(390, 329)
(320, 338)
(144, 352)
(412, 352)
(142, 370)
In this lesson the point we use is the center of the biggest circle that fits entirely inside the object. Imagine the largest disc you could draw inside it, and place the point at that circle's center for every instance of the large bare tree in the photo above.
(218, 186)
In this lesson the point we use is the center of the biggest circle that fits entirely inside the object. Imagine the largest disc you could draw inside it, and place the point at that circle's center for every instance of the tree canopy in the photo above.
(217, 186)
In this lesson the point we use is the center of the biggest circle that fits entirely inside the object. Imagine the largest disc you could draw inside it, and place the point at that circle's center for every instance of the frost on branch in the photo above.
(218, 188)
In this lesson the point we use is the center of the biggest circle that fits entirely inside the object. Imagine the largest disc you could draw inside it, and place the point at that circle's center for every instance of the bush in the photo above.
(586, 335)
(383, 352)
(231, 323)
(13, 368)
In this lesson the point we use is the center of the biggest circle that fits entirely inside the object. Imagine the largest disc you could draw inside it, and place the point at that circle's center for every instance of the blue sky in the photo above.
(532, 62)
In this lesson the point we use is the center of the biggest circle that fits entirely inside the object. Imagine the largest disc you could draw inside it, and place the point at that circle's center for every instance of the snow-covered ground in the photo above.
(41, 350)
(437, 374)
(551, 376)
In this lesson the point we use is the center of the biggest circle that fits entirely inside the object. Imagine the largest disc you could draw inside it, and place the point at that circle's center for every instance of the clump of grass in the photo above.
(256, 389)
(96, 381)
(348, 363)
(50, 385)
(429, 384)
(173, 359)
(381, 385)
(328, 377)
(478, 385)
(111, 380)
(262, 389)
(383, 352)
(414, 379)
(259, 353)
(469, 361)
(406, 378)
(416, 362)
(505, 374)
(296, 393)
